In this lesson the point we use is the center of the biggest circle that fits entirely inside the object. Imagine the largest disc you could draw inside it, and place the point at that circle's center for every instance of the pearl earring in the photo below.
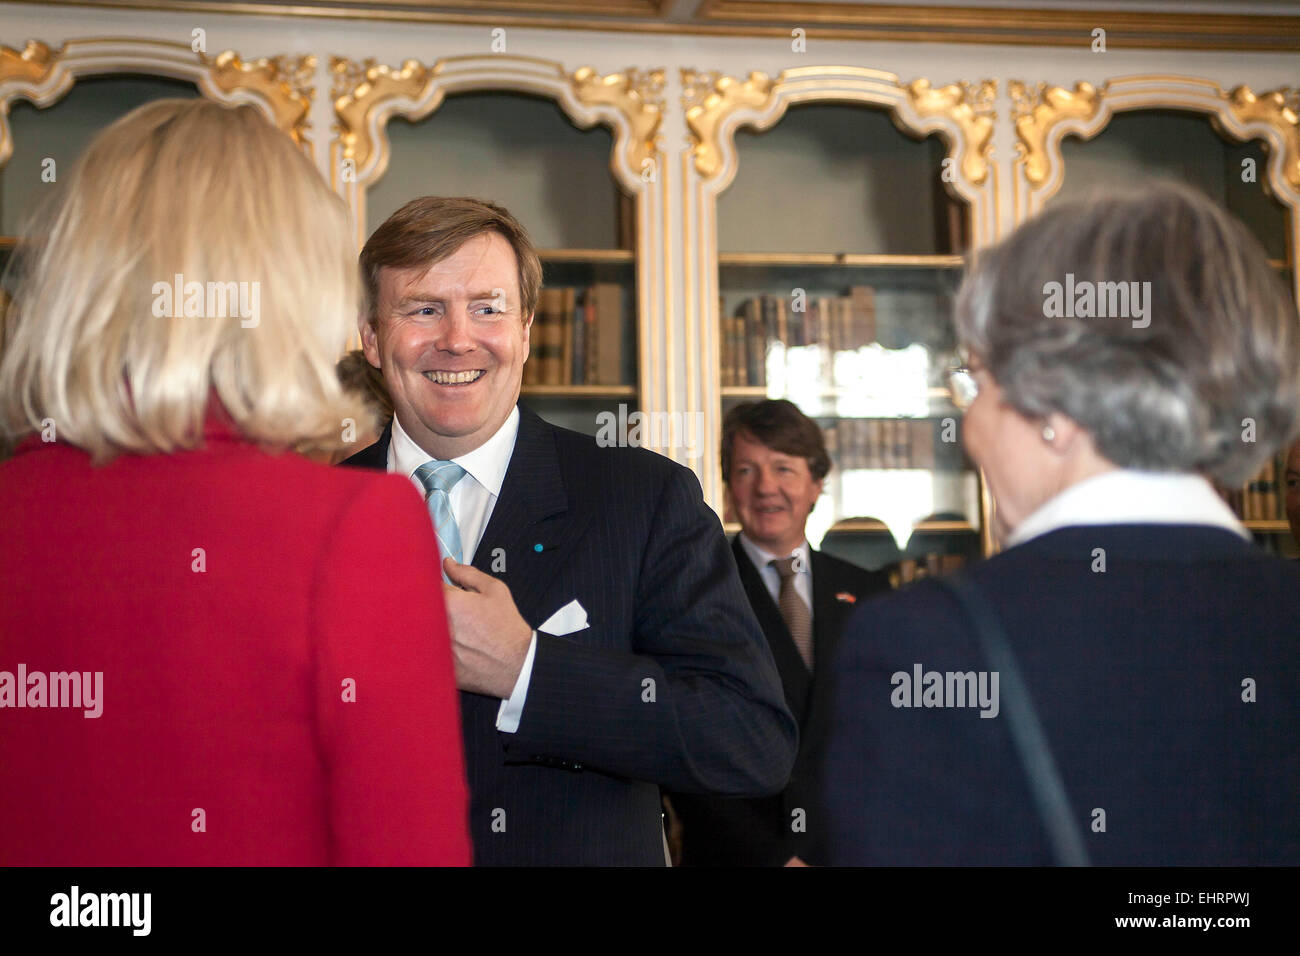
(1049, 434)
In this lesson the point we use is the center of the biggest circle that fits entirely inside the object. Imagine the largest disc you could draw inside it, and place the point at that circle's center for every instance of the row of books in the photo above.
(1263, 498)
(861, 443)
(577, 336)
(839, 323)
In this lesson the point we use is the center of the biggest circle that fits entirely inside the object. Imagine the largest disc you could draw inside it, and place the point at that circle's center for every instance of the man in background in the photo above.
(602, 641)
(774, 464)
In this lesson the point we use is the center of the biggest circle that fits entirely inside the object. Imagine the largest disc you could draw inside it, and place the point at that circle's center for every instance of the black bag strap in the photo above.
(1031, 745)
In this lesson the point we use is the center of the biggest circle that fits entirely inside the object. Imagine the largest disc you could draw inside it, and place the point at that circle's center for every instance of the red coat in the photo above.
(224, 736)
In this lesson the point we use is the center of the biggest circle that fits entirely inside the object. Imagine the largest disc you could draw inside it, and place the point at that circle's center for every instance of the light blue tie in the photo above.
(438, 478)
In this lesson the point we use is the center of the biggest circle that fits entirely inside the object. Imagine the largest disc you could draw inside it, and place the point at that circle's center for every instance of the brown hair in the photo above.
(431, 228)
(358, 376)
(779, 425)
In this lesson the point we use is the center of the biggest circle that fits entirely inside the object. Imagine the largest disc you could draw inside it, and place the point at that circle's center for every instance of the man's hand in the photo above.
(489, 638)
(795, 861)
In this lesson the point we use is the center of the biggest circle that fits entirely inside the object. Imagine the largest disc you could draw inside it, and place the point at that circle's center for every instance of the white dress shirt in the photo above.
(1126, 496)
(472, 500)
(772, 578)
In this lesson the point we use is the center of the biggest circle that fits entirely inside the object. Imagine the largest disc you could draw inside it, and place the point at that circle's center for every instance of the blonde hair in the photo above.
(218, 196)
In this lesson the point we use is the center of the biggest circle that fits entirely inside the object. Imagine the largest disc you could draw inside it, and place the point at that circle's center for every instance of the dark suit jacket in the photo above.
(760, 832)
(671, 684)
(1136, 673)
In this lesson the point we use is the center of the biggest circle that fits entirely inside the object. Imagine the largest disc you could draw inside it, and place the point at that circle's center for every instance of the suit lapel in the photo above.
(795, 678)
(532, 510)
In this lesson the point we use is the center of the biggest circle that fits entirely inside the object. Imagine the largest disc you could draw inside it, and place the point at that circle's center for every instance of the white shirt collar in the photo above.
(486, 464)
(761, 557)
(1127, 496)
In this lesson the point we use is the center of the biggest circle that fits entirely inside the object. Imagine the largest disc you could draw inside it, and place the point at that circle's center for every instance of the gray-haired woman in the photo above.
(1118, 684)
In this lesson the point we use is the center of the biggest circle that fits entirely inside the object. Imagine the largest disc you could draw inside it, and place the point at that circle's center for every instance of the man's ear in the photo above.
(528, 328)
(369, 339)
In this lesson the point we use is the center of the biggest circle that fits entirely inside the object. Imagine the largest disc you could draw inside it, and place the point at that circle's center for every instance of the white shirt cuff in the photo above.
(508, 716)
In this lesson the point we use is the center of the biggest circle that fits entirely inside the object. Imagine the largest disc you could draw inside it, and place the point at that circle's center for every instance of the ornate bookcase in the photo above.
(686, 135)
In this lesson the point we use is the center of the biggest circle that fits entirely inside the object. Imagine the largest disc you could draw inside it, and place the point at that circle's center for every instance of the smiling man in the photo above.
(774, 463)
(602, 641)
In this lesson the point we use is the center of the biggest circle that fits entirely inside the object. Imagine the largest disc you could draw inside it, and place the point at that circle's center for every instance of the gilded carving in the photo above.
(1279, 109)
(704, 118)
(285, 83)
(971, 107)
(282, 83)
(32, 64)
(1037, 110)
(638, 95)
(353, 108)
(696, 85)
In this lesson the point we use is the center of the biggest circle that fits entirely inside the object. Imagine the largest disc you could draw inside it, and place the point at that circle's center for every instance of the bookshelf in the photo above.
(838, 299)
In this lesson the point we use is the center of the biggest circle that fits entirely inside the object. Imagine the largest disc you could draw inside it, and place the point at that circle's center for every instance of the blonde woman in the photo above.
(212, 650)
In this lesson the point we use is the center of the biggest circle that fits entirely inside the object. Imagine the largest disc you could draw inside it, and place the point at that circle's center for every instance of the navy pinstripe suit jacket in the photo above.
(672, 684)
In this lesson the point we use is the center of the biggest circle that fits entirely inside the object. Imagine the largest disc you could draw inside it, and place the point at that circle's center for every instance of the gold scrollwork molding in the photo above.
(709, 98)
(367, 94)
(639, 95)
(32, 64)
(359, 90)
(284, 82)
(1279, 110)
(1043, 115)
(279, 86)
(1036, 110)
(970, 105)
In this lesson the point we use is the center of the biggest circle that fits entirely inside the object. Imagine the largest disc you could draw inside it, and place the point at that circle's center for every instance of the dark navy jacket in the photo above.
(1138, 674)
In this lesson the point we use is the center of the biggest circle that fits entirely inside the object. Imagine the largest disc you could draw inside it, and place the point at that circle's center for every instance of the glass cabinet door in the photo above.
(839, 255)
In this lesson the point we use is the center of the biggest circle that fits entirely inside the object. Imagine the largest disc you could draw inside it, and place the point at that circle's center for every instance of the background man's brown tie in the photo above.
(794, 611)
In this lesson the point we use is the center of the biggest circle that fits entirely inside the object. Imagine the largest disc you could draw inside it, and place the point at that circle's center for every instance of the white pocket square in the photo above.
(572, 617)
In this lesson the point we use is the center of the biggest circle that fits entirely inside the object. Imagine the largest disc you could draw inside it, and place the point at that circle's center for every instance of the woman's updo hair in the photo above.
(1153, 319)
